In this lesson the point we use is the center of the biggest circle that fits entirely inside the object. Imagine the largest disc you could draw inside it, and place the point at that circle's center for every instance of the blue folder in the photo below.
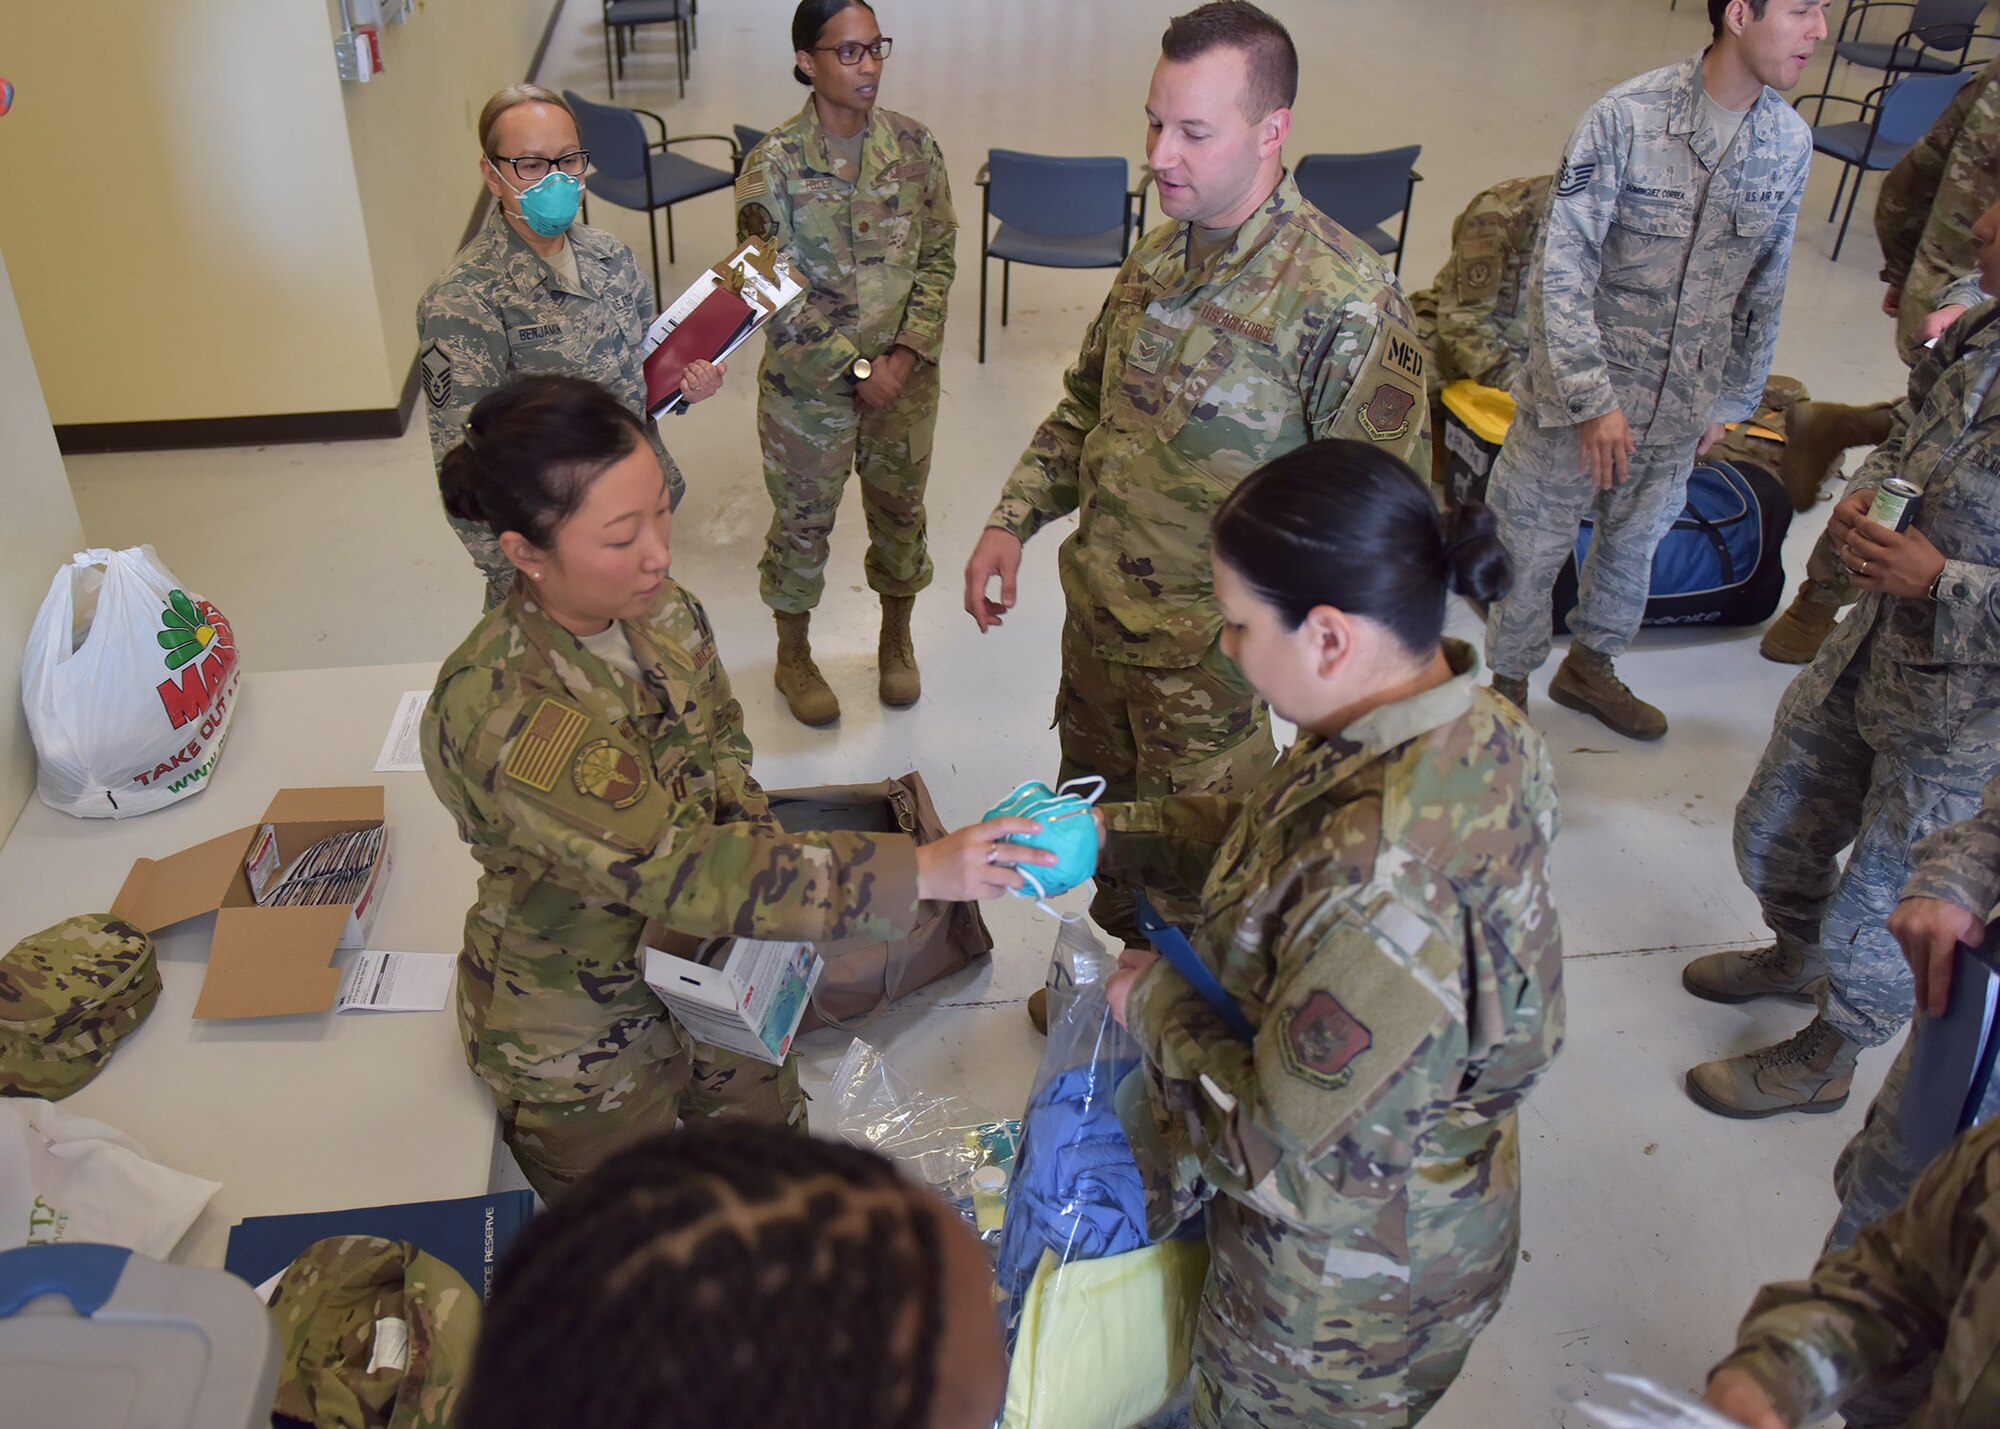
(470, 1234)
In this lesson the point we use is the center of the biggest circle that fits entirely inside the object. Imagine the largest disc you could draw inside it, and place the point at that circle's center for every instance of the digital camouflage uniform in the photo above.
(1656, 293)
(1379, 908)
(1930, 201)
(339, 1367)
(877, 258)
(1474, 318)
(1889, 734)
(502, 311)
(68, 995)
(1923, 1282)
(593, 804)
(1187, 382)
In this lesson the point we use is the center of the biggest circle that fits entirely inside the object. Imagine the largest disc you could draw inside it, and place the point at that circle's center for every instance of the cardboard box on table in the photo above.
(263, 961)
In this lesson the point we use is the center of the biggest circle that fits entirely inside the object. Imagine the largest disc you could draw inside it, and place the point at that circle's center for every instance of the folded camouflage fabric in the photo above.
(67, 995)
(374, 1334)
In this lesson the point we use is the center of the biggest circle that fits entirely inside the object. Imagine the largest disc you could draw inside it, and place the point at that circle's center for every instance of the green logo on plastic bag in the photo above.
(185, 632)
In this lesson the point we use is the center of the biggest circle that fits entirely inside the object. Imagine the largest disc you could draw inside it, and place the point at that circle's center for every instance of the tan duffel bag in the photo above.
(862, 977)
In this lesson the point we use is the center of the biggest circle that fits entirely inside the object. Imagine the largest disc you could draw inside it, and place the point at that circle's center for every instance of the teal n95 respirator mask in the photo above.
(549, 205)
(1068, 831)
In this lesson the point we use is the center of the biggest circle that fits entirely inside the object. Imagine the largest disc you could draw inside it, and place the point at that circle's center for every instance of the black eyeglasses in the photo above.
(850, 53)
(532, 168)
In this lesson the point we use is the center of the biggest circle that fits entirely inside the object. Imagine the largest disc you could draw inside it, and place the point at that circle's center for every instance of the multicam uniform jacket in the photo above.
(1475, 316)
(593, 803)
(1187, 382)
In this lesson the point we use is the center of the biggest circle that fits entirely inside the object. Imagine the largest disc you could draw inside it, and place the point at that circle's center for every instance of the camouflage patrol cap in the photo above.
(67, 995)
(374, 1334)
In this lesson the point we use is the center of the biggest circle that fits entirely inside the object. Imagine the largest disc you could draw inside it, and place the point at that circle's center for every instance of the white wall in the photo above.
(42, 531)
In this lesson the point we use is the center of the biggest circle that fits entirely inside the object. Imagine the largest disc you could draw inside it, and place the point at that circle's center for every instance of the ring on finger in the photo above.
(993, 856)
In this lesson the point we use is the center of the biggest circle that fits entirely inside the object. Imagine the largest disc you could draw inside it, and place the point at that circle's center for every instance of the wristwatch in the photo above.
(862, 368)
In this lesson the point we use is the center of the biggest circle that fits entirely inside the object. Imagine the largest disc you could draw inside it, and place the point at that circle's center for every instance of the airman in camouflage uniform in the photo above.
(68, 995)
(1656, 294)
(1917, 1283)
(1193, 376)
(501, 311)
(877, 251)
(1474, 318)
(1363, 1152)
(593, 802)
(1884, 739)
(1930, 201)
(339, 1368)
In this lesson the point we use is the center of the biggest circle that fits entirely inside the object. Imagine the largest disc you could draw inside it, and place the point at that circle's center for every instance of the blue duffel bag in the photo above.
(1722, 562)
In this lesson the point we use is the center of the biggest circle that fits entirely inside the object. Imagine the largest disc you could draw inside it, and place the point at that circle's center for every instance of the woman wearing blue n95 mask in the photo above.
(1377, 909)
(535, 291)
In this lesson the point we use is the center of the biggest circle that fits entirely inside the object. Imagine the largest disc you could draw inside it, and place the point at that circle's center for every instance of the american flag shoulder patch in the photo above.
(544, 747)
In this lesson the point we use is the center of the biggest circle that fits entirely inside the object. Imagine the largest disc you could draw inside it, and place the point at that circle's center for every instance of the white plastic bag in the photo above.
(129, 683)
(64, 1177)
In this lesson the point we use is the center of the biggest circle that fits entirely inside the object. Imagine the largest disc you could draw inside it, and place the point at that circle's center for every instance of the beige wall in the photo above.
(42, 532)
(222, 228)
(414, 129)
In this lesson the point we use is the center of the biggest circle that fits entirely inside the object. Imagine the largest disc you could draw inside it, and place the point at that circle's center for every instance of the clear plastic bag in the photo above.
(1099, 1317)
(1627, 1401)
(946, 1142)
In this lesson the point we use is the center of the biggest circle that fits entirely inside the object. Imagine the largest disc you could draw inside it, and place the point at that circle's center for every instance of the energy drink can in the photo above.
(1895, 504)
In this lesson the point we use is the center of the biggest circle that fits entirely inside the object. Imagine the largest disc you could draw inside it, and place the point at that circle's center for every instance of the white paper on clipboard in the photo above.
(769, 284)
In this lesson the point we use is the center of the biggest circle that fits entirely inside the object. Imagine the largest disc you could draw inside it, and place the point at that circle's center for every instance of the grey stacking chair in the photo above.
(1053, 213)
(1362, 192)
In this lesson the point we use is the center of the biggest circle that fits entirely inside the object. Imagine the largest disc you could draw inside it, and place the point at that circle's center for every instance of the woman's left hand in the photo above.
(702, 380)
(1132, 965)
(1901, 563)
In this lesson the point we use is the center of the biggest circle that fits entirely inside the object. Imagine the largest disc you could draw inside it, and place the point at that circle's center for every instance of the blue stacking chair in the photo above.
(628, 172)
(1362, 192)
(1891, 119)
(1053, 213)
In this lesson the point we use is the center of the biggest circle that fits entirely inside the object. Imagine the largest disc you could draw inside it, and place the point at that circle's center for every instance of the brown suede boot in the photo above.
(895, 657)
(1585, 681)
(1038, 1010)
(1817, 434)
(1748, 975)
(1809, 1071)
(1513, 689)
(1800, 629)
(798, 679)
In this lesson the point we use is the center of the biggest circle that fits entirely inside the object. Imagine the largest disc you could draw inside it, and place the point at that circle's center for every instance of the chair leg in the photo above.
(610, 84)
(1006, 288)
(681, 58)
(1839, 192)
(1852, 194)
(653, 236)
(982, 302)
(670, 235)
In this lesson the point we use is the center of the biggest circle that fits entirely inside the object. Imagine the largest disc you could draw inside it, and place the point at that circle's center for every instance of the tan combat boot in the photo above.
(1809, 1071)
(1817, 434)
(1585, 681)
(895, 656)
(1038, 1010)
(1746, 976)
(798, 679)
(1800, 629)
(1512, 689)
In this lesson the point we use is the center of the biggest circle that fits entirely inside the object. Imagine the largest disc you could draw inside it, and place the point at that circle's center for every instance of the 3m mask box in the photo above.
(739, 994)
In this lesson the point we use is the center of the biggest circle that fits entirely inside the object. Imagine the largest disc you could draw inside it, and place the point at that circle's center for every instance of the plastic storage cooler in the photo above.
(1476, 419)
(95, 1335)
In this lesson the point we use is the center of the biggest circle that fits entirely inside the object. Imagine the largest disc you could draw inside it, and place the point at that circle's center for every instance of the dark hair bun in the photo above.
(801, 76)
(1477, 563)
(458, 484)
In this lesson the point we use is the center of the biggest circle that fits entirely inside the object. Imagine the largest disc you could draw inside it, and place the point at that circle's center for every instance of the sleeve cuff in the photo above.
(924, 345)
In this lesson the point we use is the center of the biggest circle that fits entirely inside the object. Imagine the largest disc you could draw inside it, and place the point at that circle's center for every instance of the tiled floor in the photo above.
(1649, 1223)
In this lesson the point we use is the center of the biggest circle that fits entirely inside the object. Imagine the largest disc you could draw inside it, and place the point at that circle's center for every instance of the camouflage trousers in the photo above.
(1820, 786)
(811, 443)
(484, 547)
(1540, 496)
(1151, 732)
(1875, 1174)
(557, 1143)
(1368, 1328)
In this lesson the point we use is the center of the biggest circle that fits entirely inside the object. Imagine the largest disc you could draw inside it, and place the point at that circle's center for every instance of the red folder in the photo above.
(703, 336)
